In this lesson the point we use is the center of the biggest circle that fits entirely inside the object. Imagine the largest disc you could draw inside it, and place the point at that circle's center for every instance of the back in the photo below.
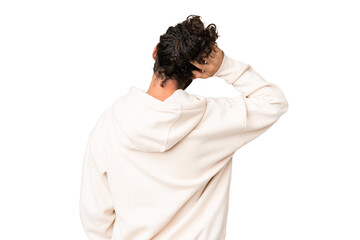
(162, 170)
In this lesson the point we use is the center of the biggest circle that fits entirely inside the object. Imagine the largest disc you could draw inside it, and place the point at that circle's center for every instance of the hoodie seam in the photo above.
(172, 124)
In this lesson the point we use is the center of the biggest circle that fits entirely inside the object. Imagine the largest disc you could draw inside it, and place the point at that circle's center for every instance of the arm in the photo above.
(242, 118)
(96, 206)
(262, 102)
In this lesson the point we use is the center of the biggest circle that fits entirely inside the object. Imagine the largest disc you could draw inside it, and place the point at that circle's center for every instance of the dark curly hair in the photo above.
(188, 40)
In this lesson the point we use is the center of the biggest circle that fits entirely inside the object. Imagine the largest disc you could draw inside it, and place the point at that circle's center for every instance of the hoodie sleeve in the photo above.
(96, 205)
(257, 107)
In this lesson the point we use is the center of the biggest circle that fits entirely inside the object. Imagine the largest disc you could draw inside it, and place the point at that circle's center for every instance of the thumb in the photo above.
(196, 74)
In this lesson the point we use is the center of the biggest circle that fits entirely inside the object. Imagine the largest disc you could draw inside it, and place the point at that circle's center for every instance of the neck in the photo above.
(159, 92)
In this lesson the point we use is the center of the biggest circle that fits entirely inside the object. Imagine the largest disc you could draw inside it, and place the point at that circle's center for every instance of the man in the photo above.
(158, 163)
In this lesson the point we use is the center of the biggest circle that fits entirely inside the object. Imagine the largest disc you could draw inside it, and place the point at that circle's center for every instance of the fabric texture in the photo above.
(161, 170)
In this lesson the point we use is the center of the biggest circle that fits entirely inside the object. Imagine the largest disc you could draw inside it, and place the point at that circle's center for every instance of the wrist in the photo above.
(216, 74)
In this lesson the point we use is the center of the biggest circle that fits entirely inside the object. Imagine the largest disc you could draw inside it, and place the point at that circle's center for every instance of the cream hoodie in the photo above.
(162, 170)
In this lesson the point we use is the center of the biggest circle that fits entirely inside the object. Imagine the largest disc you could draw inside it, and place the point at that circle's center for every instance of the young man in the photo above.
(158, 163)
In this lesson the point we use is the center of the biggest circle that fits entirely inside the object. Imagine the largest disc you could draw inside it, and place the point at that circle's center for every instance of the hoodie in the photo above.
(161, 170)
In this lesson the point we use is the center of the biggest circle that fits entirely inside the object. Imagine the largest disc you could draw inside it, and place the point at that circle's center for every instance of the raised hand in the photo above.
(212, 63)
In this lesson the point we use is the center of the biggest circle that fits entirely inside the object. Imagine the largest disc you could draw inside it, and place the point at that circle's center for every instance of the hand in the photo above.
(212, 63)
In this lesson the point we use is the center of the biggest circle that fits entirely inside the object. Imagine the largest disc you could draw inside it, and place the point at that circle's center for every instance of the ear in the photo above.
(154, 52)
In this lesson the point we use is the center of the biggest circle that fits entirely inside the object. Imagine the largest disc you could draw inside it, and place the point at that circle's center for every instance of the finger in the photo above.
(214, 51)
(212, 54)
(215, 48)
(198, 74)
(196, 64)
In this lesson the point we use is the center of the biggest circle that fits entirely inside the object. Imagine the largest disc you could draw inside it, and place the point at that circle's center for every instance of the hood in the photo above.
(147, 124)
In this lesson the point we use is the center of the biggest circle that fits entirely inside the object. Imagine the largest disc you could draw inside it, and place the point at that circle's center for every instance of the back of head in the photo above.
(185, 42)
